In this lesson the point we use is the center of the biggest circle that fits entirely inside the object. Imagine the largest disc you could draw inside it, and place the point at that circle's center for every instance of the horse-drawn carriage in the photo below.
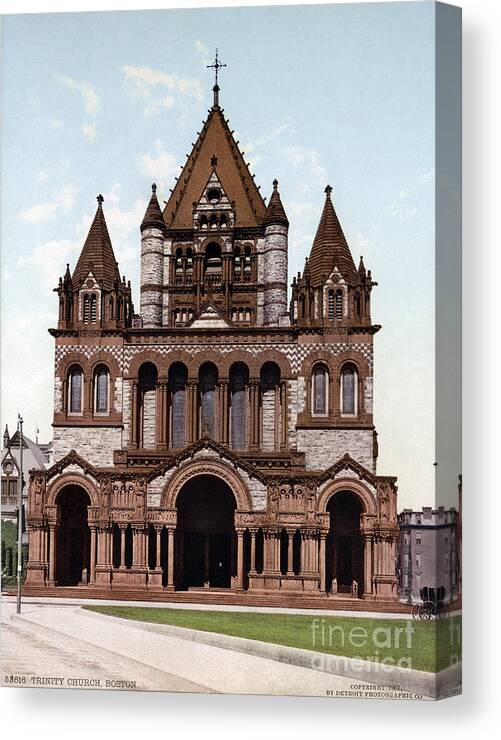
(432, 605)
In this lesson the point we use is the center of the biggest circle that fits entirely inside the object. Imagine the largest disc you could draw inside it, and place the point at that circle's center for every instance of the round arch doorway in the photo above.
(205, 534)
(344, 547)
(73, 537)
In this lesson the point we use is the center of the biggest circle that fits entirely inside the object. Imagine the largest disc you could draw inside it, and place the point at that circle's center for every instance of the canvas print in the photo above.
(231, 351)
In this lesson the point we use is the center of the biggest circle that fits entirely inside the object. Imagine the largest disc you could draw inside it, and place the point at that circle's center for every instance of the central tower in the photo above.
(216, 253)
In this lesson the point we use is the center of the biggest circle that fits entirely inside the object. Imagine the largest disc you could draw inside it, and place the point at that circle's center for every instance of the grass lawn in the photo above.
(426, 646)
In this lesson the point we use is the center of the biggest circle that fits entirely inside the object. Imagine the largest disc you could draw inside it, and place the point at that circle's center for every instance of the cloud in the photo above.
(49, 259)
(309, 159)
(90, 98)
(155, 90)
(159, 166)
(203, 52)
(89, 131)
(403, 207)
(55, 123)
(64, 201)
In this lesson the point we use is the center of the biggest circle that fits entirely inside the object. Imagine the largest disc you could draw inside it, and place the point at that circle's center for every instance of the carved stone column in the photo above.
(321, 562)
(52, 554)
(283, 415)
(134, 415)
(367, 565)
(158, 548)
(122, 528)
(254, 414)
(240, 559)
(223, 412)
(162, 413)
(192, 410)
(253, 533)
(290, 552)
(93, 542)
(170, 558)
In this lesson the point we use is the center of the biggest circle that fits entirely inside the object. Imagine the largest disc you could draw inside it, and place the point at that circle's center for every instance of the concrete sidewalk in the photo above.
(59, 601)
(214, 668)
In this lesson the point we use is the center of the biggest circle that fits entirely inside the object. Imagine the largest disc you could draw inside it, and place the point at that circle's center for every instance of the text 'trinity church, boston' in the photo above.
(220, 445)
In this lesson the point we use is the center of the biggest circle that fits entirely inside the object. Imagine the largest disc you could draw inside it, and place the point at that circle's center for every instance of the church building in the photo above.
(221, 441)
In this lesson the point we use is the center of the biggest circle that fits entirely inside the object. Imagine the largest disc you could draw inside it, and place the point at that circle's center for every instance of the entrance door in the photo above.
(206, 510)
(344, 552)
(73, 538)
(220, 555)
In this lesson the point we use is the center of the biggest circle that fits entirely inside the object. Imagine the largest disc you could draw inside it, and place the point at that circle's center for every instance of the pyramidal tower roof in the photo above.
(275, 213)
(97, 255)
(330, 248)
(153, 215)
(215, 149)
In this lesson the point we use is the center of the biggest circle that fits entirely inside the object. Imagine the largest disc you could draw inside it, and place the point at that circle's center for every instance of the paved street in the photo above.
(66, 644)
(39, 655)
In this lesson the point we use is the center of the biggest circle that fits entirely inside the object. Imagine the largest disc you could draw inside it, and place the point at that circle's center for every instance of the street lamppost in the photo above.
(8, 466)
(20, 515)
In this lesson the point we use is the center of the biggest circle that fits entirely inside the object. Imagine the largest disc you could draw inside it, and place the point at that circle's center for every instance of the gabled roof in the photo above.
(97, 255)
(275, 212)
(28, 444)
(215, 146)
(209, 317)
(153, 215)
(330, 248)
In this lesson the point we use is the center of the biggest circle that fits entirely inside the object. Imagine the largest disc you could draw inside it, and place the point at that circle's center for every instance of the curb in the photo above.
(421, 684)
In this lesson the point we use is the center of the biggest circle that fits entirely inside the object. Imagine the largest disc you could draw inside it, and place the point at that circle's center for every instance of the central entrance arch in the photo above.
(206, 533)
(344, 547)
(73, 537)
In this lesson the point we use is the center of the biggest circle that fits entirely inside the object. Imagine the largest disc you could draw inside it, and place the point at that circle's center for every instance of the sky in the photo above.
(111, 102)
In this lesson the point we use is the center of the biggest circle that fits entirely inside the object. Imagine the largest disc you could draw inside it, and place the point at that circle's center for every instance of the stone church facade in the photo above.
(222, 440)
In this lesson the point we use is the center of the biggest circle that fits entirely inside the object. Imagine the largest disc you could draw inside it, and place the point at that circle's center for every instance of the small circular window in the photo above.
(214, 195)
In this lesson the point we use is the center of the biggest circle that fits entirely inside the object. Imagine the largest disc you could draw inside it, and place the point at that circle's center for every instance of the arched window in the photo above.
(213, 221)
(330, 305)
(75, 391)
(86, 308)
(148, 376)
(339, 304)
(212, 258)
(223, 221)
(203, 222)
(179, 260)
(301, 307)
(239, 381)
(270, 405)
(247, 259)
(93, 308)
(207, 380)
(357, 304)
(101, 389)
(178, 378)
(349, 391)
(189, 259)
(320, 389)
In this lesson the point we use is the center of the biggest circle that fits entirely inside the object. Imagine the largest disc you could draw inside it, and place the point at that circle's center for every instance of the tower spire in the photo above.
(216, 66)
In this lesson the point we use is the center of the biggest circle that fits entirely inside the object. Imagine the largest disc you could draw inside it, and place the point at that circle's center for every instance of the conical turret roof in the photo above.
(97, 254)
(153, 215)
(330, 248)
(275, 212)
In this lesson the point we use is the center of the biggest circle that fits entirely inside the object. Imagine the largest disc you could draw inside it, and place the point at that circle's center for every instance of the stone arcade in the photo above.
(222, 441)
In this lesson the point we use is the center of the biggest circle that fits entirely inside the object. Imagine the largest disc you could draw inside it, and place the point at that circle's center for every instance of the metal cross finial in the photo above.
(100, 199)
(216, 65)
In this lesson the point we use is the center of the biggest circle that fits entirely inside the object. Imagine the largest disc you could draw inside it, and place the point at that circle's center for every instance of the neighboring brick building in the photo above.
(223, 438)
(428, 553)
